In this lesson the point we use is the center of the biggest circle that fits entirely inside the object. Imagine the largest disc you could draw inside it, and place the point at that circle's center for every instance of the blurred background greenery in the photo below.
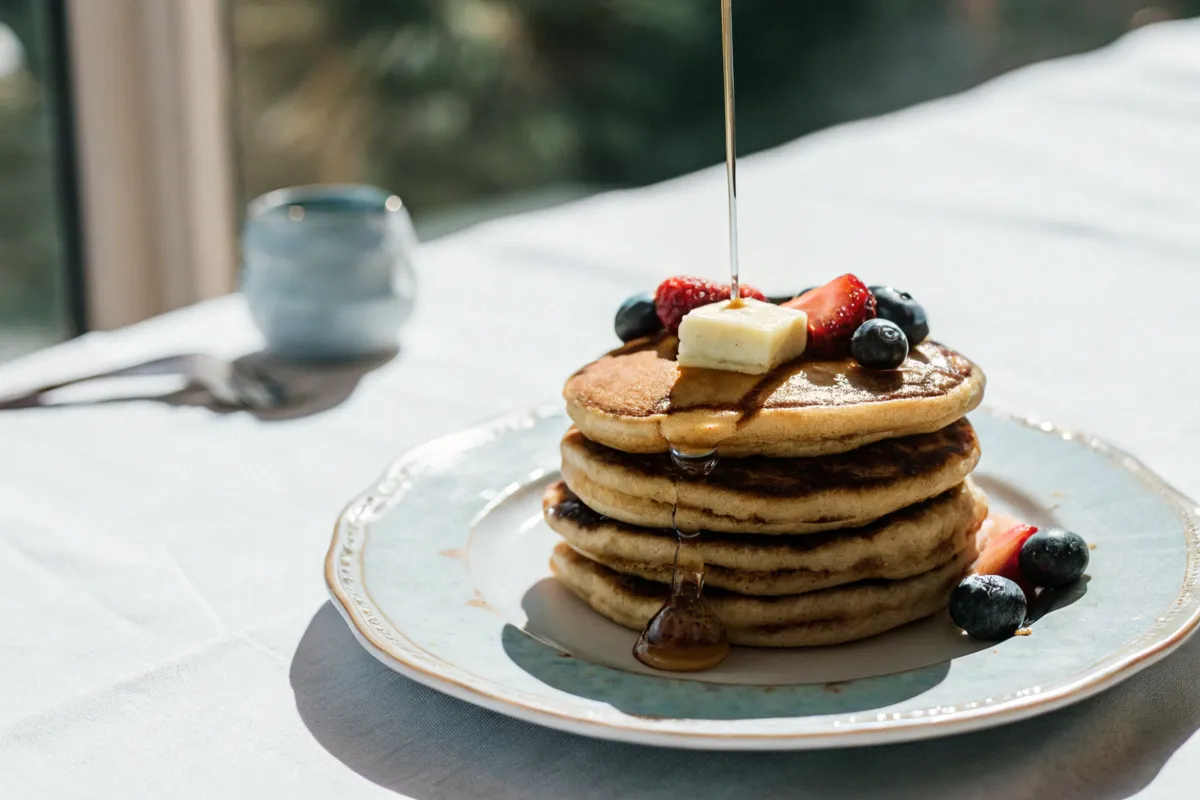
(475, 108)
(470, 108)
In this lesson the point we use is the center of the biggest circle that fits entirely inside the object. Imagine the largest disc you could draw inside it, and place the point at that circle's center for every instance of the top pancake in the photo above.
(637, 397)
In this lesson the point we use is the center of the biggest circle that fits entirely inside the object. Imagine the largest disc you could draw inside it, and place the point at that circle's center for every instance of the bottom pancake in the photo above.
(830, 616)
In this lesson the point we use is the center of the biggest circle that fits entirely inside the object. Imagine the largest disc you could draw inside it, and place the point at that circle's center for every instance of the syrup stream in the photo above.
(683, 635)
(730, 147)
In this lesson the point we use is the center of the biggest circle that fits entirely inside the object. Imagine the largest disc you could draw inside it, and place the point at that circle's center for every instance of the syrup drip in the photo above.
(684, 635)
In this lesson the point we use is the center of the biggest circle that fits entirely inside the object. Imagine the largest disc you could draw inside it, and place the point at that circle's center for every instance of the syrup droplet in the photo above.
(694, 463)
(684, 636)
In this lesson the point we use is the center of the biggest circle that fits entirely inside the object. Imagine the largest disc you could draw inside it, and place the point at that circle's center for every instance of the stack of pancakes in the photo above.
(840, 506)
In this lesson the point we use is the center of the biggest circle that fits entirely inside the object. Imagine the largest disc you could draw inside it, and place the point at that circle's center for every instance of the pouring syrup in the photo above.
(735, 293)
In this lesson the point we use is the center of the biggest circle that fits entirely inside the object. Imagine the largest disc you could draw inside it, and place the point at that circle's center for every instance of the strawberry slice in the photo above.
(1001, 554)
(835, 311)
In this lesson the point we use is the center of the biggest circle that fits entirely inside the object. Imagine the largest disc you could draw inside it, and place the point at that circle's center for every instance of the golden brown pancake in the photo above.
(771, 495)
(901, 545)
(637, 397)
(829, 616)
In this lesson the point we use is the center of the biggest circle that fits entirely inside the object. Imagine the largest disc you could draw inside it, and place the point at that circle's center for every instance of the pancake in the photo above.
(901, 545)
(771, 495)
(829, 616)
(636, 397)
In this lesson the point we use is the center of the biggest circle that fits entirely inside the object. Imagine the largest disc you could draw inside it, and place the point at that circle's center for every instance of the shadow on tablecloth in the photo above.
(426, 745)
(311, 387)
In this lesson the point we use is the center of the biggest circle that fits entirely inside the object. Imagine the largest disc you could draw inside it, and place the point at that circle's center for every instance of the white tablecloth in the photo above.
(165, 630)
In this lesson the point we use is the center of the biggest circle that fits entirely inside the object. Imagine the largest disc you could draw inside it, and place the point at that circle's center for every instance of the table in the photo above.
(167, 632)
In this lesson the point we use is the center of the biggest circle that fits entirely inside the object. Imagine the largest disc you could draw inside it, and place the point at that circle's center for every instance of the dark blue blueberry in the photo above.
(879, 344)
(1053, 558)
(988, 606)
(900, 307)
(637, 318)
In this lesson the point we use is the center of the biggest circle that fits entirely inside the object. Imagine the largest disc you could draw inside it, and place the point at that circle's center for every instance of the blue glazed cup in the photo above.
(327, 270)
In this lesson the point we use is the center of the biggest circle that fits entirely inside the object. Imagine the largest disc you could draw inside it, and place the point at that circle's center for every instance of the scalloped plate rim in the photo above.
(668, 732)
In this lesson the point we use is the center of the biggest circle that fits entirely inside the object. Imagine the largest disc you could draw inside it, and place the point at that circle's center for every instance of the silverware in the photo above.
(229, 383)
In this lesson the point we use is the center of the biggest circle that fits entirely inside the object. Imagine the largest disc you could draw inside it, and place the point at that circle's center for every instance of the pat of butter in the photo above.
(752, 337)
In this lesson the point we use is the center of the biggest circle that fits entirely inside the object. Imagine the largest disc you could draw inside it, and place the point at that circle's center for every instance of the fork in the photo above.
(231, 384)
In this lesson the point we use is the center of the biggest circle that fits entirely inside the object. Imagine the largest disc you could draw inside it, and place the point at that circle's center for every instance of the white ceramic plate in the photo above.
(441, 571)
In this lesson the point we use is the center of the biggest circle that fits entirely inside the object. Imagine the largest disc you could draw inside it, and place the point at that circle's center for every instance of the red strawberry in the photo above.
(835, 311)
(675, 297)
(1000, 556)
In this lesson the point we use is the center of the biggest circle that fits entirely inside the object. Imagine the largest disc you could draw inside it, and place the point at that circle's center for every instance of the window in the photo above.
(471, 108)
(38, 232)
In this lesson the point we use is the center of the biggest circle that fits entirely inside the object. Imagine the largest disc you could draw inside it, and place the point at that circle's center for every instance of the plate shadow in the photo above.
(1050, 600)
(674, 698)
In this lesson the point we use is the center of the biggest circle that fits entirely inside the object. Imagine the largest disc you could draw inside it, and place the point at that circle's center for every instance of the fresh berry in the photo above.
(900, 307)
(1053, 558)
(675, 297)
(879, 344)
(835, 311)
(637, 317)
(1001, 556)
(988, 606)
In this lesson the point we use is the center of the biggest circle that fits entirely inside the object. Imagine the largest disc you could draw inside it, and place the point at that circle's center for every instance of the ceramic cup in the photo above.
(327, 270)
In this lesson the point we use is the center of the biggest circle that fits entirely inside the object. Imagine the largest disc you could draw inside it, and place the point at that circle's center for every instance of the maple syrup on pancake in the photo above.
(684, 635)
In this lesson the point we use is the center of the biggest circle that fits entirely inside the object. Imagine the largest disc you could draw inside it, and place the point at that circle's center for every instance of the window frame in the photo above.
(66, 167)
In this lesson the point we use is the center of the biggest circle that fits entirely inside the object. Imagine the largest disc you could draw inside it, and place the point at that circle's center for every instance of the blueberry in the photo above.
(637, 318)
(988, 606)
(1053, 558)
(900, 307)
(879, 344)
